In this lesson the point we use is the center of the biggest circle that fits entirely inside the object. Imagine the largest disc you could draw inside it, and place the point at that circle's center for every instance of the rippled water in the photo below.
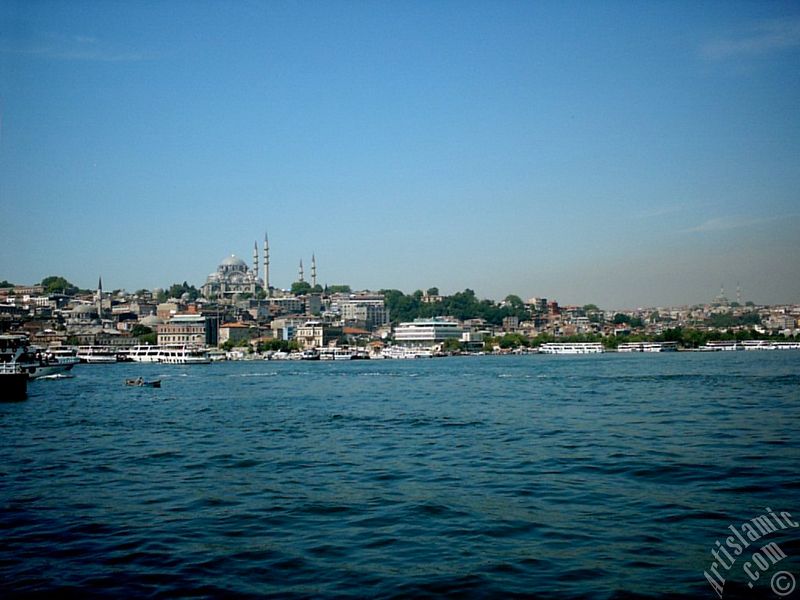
(596, 476)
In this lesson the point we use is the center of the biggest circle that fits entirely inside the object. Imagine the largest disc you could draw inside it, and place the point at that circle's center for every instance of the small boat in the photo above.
(139, 382)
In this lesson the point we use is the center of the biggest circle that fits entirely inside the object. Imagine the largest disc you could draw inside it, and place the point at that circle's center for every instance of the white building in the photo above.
(427, 332)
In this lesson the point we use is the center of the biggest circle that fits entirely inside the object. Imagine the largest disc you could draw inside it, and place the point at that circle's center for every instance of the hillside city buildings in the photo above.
(237, 305)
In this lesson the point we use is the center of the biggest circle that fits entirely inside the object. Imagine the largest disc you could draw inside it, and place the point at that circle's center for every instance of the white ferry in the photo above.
(404, 352)
(770, 345)
(648, 347)
(97, 354)
(335, 354)
(571, 348)
(145, 354)
(722, 346)
(183, 354)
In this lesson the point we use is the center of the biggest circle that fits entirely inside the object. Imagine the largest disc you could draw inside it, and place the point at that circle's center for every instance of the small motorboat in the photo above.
(139, 382)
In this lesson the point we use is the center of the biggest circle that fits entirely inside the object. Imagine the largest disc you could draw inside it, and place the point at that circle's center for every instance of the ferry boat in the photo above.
(335, 354)
(183, 354)
(404, 352)
(722, 346)
(770, 345)
(34, 362)
(309, 354)
(145, 354)
(65, 355)
(571, 348)
(648, 347)
(97, 354)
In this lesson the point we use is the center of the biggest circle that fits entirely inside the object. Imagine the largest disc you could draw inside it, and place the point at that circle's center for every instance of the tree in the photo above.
(514, 340)
(149, 338)
(6, 284)
(434, 291)
(452, 345)
(55, 284)
(590, 308)
(620, 318)
(139, 330)
(515, 301)
(300, 288)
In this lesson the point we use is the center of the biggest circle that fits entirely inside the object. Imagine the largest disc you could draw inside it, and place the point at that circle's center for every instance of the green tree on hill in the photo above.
(300, 288)
(56, 284)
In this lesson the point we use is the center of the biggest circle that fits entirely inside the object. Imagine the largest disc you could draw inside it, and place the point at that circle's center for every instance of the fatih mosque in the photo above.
(233, 276)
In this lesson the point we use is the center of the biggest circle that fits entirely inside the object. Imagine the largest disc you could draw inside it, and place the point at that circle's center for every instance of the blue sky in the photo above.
(626, 154)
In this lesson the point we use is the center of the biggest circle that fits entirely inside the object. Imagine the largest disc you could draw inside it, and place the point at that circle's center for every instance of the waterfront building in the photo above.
(316, 334)
(368, 310)
(284, 328)
(235, 332)
(427, 332)
(186, 329)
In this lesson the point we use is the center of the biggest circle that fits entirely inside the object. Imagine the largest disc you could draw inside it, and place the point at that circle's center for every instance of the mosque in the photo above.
(234, 277)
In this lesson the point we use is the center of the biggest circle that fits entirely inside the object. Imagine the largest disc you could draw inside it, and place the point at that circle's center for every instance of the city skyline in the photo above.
(608, 153)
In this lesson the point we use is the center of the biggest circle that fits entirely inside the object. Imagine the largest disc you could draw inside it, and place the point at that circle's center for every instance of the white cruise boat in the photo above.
(571, 348)
(183, 354)
(722, 346)
(404, 352)
(335, 354)
(145, 354)
(648, 347)
(97, 354)
(770, 345)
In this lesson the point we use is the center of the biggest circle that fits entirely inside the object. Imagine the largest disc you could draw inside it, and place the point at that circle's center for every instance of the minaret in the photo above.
(266, 264)
(301, 280)
(738, 294)
(255, 260)
(313, 271)
(99, 298)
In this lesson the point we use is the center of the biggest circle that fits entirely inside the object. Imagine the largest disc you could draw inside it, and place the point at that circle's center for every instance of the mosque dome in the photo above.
(233, 261)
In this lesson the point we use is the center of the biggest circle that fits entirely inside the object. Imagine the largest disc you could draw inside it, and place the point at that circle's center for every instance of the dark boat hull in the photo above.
(13, 386)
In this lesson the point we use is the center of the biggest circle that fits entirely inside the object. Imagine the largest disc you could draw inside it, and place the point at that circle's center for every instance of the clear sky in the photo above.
(626, 154)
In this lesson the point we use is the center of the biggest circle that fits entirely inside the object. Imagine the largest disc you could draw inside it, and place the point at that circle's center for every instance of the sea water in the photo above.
(592, 476)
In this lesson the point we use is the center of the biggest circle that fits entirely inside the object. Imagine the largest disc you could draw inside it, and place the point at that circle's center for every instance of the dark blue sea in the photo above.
(605, 476)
